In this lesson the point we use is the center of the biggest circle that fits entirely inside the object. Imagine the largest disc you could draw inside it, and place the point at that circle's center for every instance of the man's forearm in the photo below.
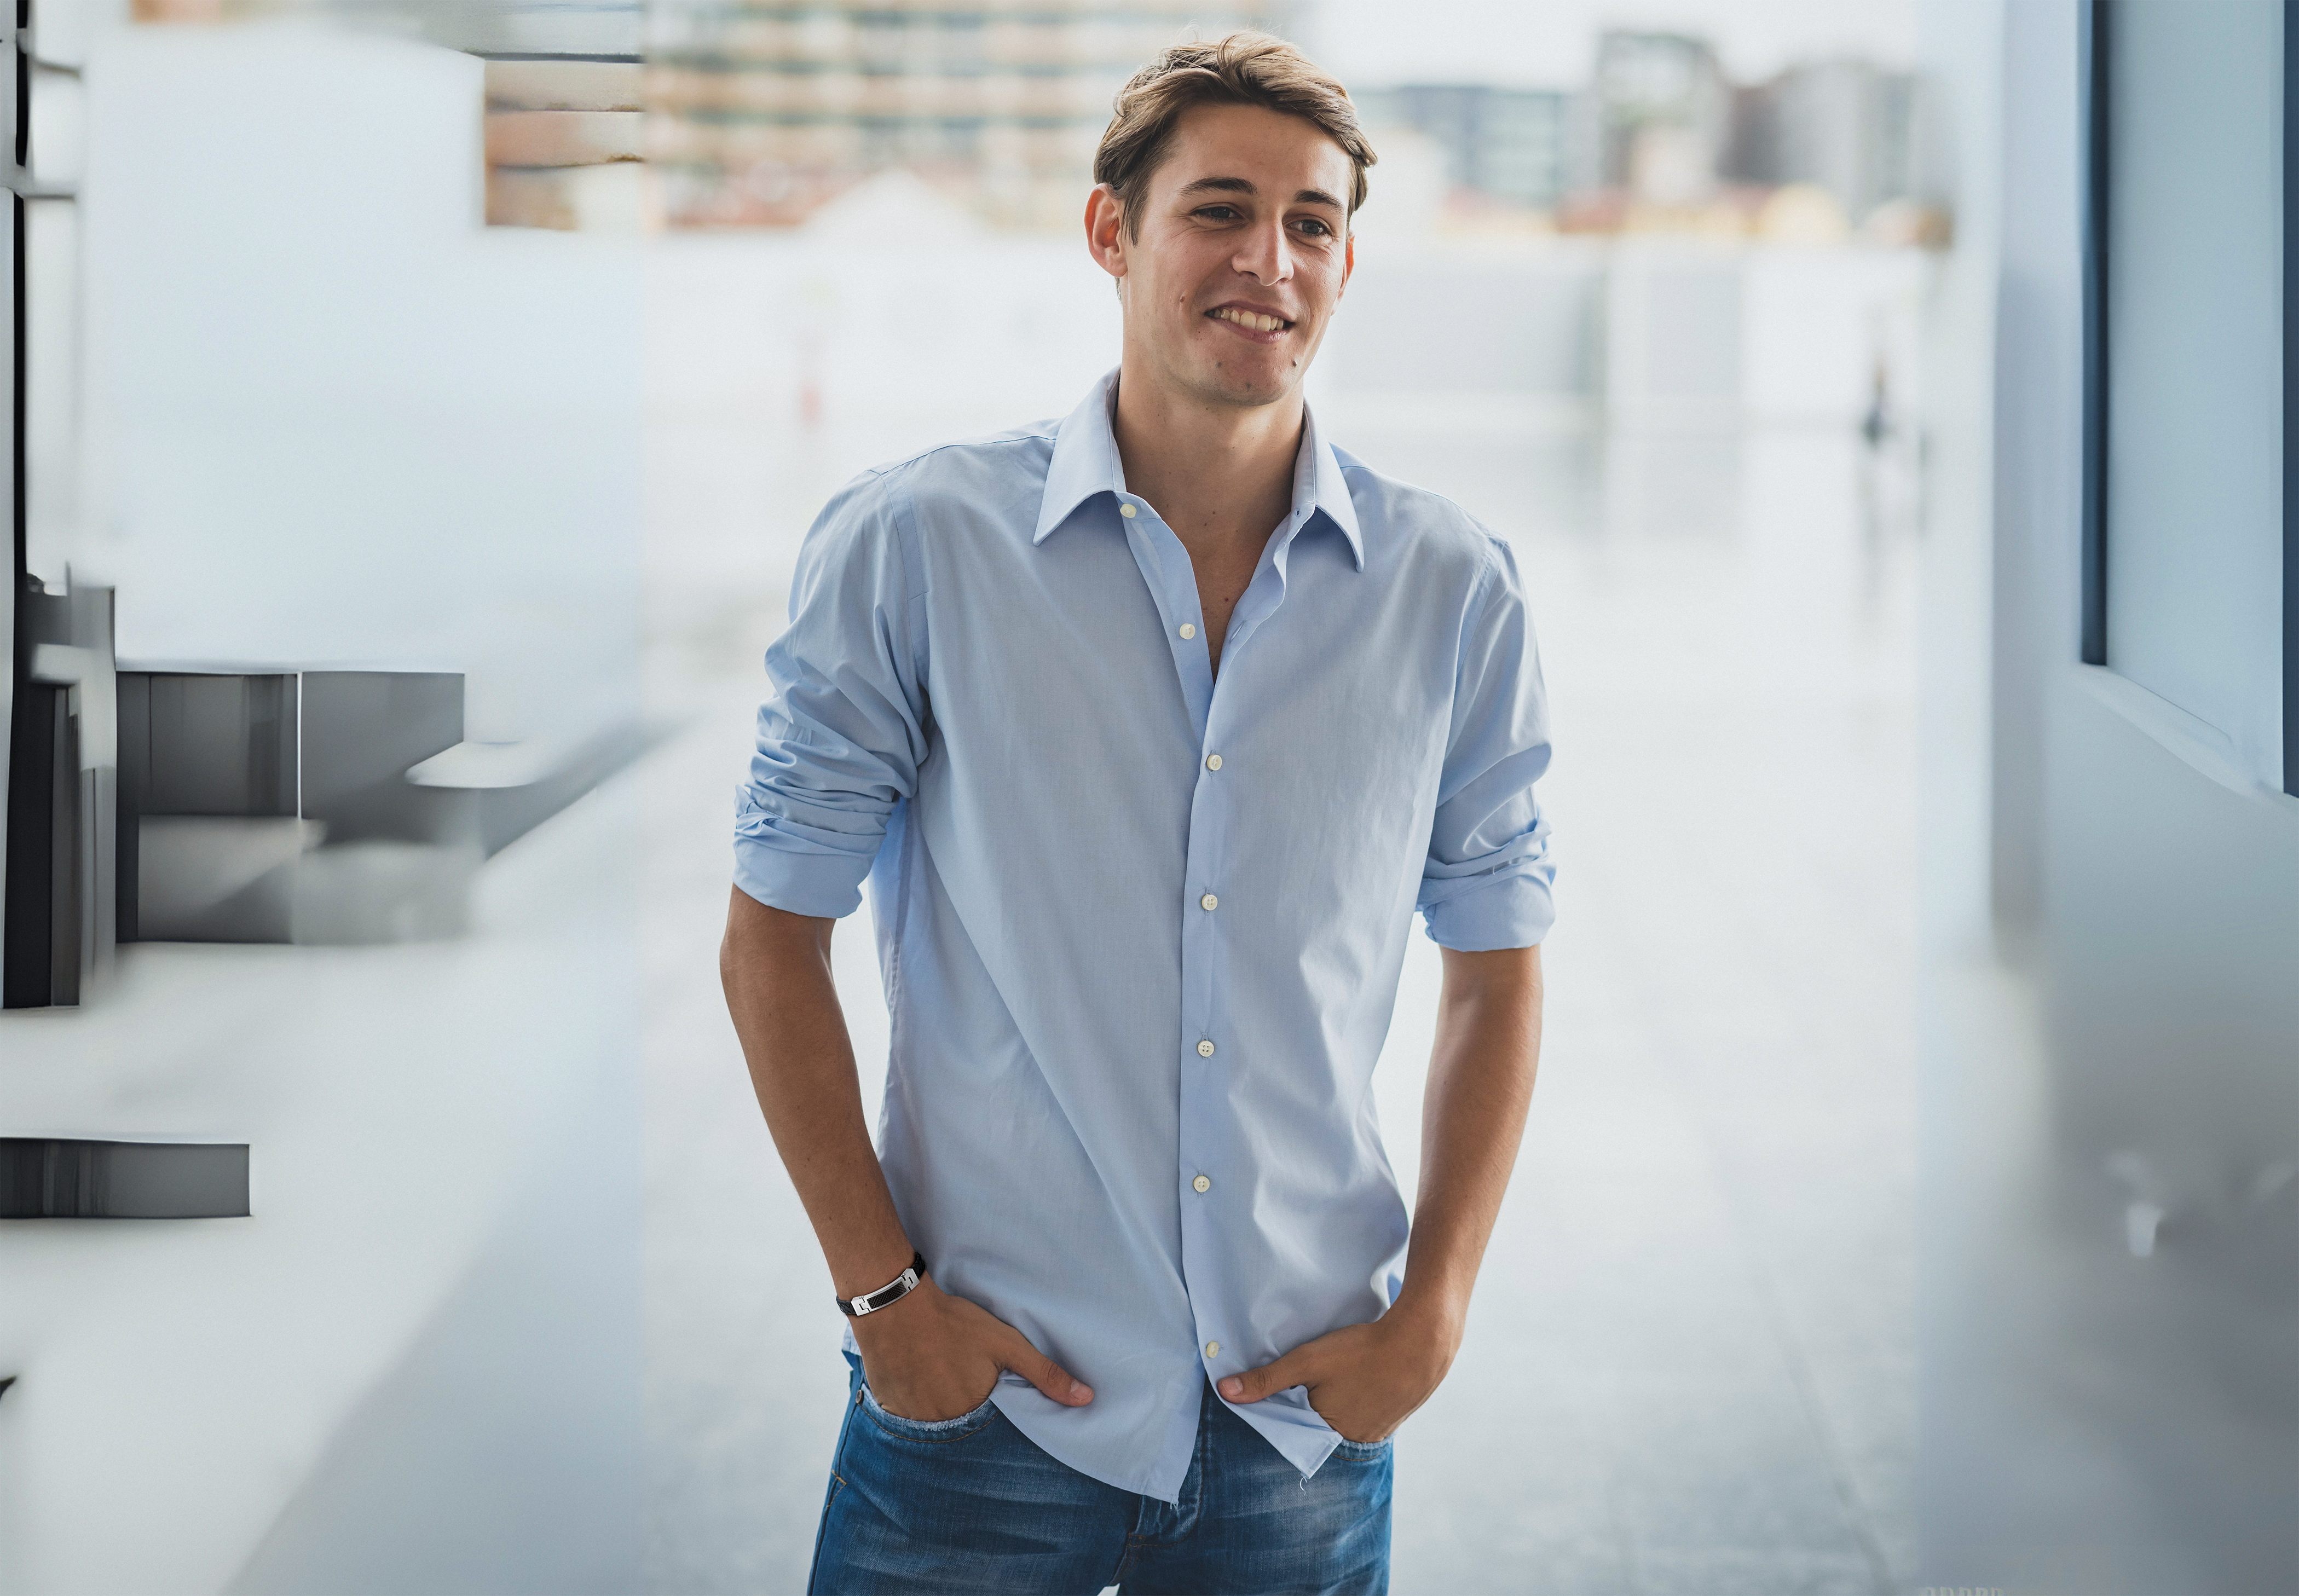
(927, 1355)
(776, 967)
(1481, 1073)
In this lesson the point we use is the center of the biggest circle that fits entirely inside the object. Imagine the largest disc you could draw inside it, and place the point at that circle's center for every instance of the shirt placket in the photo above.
(1209, 1058)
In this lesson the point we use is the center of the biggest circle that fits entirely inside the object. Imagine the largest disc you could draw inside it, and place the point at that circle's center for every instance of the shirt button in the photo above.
(1213, 761)
(1205, 1049)
(1189, 630)
(1201, 1185)
(1126, 510)
(1210, 902)
(1213, 1349)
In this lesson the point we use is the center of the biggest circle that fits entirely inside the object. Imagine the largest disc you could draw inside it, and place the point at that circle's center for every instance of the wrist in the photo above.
(1436, 1319)
(877, 1299)
(896, 1319)
(872, 1269)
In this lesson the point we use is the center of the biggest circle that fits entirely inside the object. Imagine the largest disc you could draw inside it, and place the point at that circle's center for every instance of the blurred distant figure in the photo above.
(1148, 729)
(1876, 420)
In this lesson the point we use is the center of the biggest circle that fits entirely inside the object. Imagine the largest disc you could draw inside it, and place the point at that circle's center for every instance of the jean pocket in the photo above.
(929, 1429)
(1362, 1451)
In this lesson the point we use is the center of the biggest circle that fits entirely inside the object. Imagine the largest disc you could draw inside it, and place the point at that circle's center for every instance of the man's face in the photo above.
(1242, 253)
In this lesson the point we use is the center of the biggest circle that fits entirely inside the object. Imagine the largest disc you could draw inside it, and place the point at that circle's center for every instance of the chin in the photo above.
(1230, 386)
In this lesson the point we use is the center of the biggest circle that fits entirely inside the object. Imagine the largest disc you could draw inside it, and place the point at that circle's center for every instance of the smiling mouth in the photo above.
(1251, 321)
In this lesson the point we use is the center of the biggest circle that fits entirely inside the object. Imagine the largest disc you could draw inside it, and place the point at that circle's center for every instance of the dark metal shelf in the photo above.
(63, 1178)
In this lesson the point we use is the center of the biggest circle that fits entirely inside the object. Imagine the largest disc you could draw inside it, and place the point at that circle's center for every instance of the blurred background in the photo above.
(418, 407)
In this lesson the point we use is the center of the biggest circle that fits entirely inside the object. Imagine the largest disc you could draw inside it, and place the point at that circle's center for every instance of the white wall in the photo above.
(331, 418)
(2095, 1419)
(1660, 331)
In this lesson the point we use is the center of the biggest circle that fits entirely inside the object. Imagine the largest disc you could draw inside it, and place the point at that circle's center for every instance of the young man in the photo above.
(1150, 730)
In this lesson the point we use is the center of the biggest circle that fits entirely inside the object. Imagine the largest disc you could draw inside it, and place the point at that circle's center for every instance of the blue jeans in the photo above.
(971, 1504)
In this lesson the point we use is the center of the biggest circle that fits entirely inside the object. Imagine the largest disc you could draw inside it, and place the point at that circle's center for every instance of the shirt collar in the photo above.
(1085, 463)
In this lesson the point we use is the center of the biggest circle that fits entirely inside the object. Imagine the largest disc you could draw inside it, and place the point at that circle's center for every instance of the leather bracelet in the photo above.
(888, 1294)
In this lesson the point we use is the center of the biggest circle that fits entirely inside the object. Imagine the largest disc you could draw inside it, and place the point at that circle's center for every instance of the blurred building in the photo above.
(1660, 140)
(1846, 127)
(761, 113)
(1656, 119)
(1503, 144)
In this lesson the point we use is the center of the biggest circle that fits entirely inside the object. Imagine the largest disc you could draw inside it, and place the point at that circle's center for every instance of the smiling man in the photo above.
(1149, 730)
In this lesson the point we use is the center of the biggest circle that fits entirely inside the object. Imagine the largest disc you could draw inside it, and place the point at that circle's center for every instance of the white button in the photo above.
(1213, 761)
(1205, 1049)
(1210, 902)
(1189, 630)
(1126, 510)
(1213, 1349)
(1201, 1185)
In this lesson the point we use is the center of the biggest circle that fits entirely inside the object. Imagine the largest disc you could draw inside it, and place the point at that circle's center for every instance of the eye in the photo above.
(1322, 230)
(1216, 212)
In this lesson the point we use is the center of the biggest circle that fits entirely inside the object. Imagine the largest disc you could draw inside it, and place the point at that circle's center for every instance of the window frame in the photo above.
(2091, 55)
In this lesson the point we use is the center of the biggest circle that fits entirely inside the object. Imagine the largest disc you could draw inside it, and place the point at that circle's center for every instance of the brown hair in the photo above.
(1242, 69)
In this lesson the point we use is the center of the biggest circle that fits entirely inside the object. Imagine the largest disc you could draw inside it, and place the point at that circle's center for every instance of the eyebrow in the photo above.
(1305, 196)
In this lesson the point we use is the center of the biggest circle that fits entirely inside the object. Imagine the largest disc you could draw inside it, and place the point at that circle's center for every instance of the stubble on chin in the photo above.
(1227, 387)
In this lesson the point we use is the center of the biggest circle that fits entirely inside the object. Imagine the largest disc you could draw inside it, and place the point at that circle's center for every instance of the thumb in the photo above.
(1043, 1372)
(1268, 1380)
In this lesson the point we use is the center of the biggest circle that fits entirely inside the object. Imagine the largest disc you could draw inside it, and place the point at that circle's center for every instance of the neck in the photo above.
(1215, 473)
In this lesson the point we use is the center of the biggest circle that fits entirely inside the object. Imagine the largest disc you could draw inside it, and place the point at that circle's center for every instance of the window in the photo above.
(2188, 522)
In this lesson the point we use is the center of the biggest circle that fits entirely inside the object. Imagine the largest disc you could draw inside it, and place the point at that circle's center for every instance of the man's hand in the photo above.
(1365, 1380)
(932, 1356)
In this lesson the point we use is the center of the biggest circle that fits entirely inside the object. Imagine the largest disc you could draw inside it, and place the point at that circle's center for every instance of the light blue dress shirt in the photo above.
(1140, 927)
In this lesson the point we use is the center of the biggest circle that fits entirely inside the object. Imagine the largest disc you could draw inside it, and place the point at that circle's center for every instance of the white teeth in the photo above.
(1257, 322)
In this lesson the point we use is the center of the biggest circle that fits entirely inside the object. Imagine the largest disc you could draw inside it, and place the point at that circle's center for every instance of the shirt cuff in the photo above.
(1511, 911)
(819, 886)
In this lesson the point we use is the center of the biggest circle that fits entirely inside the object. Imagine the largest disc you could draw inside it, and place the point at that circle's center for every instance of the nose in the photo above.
(1264, 254)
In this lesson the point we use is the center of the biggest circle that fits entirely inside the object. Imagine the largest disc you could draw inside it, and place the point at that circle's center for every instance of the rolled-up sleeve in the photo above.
(1487, 884)
(844, 727)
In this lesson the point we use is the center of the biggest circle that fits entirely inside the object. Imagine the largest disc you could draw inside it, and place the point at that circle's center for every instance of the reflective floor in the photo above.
(1690, 1364)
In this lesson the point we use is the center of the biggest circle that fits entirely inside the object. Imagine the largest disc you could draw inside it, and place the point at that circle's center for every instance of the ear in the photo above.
(1349, 262)
(1105, 231)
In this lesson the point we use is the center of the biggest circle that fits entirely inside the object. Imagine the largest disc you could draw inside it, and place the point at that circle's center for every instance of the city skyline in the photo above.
(1554, 45)
(764, 114)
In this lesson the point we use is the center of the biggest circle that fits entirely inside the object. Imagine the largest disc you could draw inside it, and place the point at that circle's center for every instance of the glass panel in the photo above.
(2194, 488)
